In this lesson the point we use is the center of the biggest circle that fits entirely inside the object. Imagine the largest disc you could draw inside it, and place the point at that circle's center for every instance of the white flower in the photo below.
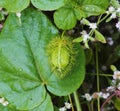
(116, 75)
(2, 100)
(110, 41)
(100, 94)
(5, 103)
(111, 9)
(118, 86)
(88, 97)
(113, 15)
(93, 25)
(96, 95)
(62, 109)
(105, 95)
(85, 37)
(110, 88)
(67, 105)
(18, 14)
(118, 10)
(83, 32)
(118, 25)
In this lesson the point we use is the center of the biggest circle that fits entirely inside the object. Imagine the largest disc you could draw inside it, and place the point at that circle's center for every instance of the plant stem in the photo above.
(100, 20)
(77, 102)
(98, 85)
(71, 102)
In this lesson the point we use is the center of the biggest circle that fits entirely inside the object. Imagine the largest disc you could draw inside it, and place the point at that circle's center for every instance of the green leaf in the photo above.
(45, 106)
(117, 103)
(65, 18)
(94, 7)
(21, 82)
(79, 39)
(48, 4)
(99, 37)
(14, 5)
(79, 13)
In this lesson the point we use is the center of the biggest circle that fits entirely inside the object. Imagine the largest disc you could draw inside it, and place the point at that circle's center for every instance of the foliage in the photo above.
(43, 47)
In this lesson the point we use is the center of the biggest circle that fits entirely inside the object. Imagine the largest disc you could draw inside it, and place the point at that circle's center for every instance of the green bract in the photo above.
(25, 68)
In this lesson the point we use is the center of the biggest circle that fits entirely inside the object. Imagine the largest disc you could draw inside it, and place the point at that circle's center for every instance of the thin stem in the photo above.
(97, 72)
(63, 34)
(89, 106)
(77, 102)
(99, 18)
(108, 75)
(99, 21)
(92, 105)
(71, 102)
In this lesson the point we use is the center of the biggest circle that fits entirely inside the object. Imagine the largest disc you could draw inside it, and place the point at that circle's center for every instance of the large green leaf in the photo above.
(25, 67)
(48, 4)
(94, 7)
(14, 5)
(20, 49)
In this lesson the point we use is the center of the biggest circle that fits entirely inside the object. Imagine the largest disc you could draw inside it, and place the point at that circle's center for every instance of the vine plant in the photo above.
(39, 59)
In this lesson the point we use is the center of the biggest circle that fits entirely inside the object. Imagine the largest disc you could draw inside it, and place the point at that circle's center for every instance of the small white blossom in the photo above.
(18, 14)
(113, 82)
(118, 10)
(85, 37)
(2, 100)
(95, 95)
(67, 105)
(118, 86)
(93, 25)
(5, 103)
(62, 109)
(116, 75)
(111, 9)
(88, 97)
(110, 41)
(105, 95)
(110, 88)
(83, 32)
(113, 16)
(118, 25)
(100, 94)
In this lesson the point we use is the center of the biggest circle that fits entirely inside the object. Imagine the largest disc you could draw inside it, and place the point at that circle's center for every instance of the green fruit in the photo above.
(60, 58)
(61, 55)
